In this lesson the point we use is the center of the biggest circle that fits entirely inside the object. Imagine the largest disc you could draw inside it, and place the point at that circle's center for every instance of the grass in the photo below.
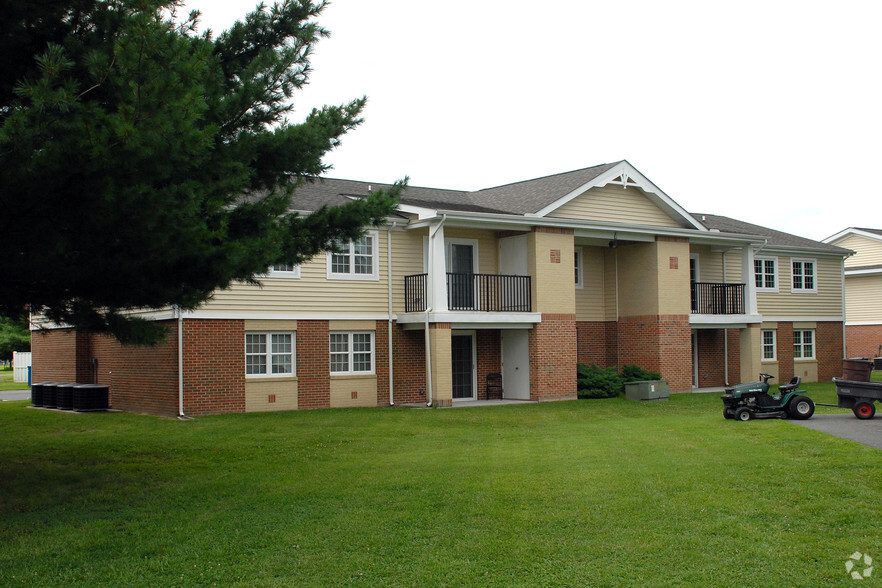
(588, 493)
(6, 382)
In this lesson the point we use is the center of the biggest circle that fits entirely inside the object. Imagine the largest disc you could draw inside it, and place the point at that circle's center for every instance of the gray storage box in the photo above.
(647, 390)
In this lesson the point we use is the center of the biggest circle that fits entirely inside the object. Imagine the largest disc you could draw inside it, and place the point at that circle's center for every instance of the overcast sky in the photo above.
(768, 112)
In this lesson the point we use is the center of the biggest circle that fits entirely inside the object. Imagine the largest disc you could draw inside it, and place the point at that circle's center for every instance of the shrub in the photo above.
(634, 373)
(597, 382)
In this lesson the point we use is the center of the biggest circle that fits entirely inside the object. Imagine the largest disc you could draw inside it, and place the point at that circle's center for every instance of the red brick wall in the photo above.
(553, 349)
(313, 365)
(141, 379)
(829, 351)
(734, 352)
(54, 355)
(863, 340)
(381, 361)
(597, 342)
(214, 366)
(489, 359)
(659, 343)
(409, 356)
(711, 362)
(784, 352)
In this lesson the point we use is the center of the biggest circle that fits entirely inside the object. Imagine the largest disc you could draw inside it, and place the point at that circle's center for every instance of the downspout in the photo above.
(389, 337)
(725, 336)
(432, 232)
(844, 316)
(181, 414)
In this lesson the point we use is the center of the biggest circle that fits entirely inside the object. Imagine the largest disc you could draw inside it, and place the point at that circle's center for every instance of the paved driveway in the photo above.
(847, 426)
(15, 395)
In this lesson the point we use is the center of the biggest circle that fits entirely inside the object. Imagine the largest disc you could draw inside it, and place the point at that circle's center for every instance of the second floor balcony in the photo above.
(473, 292)
(717, 298)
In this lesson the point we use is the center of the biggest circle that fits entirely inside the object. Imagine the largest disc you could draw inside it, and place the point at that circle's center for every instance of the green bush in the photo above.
(634, 373)
(598, 382)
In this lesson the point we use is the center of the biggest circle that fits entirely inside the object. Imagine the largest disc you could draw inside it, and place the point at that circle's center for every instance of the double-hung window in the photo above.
(352, 352)
(769, 345)
(765, 270)
(269, 354)
(804, 344)
(356, 260)
(804, 275)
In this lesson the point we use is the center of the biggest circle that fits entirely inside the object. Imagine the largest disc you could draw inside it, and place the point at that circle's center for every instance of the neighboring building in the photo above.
(863, 290)
(596, 265)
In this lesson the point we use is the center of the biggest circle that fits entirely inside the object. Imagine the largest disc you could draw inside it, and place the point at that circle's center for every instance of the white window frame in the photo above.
(348, 249)
(773, 345)
(578, 268)
(288, 274)
(350, 352)
(802, 344)
(804, 261)
(268, 354)
(776, 274)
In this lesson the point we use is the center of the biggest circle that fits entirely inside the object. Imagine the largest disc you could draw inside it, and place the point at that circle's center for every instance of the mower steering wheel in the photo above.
(766, 377)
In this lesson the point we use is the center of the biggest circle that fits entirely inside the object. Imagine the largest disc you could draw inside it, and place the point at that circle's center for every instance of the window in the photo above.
(356, 260)
(804, 344)
(284, 270)
(578, 258)
(352, 352)
(804, 275)
(765, 271)
(769, 345)
(269, 354)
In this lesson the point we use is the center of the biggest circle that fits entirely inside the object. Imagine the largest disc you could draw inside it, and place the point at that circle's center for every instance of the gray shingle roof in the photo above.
(775, 238)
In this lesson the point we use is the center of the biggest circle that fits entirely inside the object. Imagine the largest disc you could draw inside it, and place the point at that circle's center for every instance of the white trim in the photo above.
(802, 319)
(379, 316)
(271, 273)
(803, 261)
(814, 345)
(580, 266)
(448, 241)
(374, 276)
(851, 231)
(777, 274)
(697, 259)
(636, 179)
(525, 320)
(863, 272)
(863, 324)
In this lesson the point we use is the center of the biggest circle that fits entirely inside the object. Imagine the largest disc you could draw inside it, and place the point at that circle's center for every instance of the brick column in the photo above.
(553, 358)
(313, 365)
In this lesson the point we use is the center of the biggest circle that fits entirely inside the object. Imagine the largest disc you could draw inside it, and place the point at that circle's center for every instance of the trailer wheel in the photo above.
(864, 410)
(743, 414)
(801, 408)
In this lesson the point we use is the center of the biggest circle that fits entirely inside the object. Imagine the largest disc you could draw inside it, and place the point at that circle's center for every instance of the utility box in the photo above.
(647, 390)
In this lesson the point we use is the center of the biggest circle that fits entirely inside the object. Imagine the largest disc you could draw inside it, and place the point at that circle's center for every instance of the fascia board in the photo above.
(851, 231)
(656, 194)
(863, 272)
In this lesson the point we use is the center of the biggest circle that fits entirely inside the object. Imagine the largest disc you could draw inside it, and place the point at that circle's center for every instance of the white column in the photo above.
(437, 269)
(749, 279)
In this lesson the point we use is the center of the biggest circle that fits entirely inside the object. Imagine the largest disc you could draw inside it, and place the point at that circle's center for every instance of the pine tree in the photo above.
(145, 164)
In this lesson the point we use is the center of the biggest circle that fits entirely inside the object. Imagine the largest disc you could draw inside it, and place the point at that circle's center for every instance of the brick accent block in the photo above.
(313, 364)
(214, 366)
(553, 349)
(829, 351)
(409, 362)
(659, 343)
(863, 340)
(597, 343)
(489, 358)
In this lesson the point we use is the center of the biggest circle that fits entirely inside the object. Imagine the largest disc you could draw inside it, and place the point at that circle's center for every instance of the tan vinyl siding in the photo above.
(407, 260)
(312, 292)
(590, 300)
(868, 251)
(614, 203)
(610, 285)
(710, 264)
(862, 299)
(827, 302)
(488, 250)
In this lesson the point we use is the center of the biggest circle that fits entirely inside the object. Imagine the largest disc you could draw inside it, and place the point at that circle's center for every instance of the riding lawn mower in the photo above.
(753, 401)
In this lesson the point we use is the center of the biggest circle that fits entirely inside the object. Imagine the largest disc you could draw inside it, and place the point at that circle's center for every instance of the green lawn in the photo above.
(583, 493)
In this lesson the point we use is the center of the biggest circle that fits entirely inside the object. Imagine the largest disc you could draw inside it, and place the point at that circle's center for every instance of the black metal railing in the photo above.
(710, 298)
(474, 292)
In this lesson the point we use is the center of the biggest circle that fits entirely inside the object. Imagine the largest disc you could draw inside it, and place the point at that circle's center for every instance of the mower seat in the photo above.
(794, 383)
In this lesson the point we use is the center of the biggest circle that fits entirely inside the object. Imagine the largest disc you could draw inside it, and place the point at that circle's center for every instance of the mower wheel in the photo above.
(801, 408)
(743, 414)
(864, 410)
(728, 413)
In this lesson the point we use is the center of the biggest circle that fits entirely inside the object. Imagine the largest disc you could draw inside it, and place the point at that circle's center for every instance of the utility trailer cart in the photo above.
(860, 397)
